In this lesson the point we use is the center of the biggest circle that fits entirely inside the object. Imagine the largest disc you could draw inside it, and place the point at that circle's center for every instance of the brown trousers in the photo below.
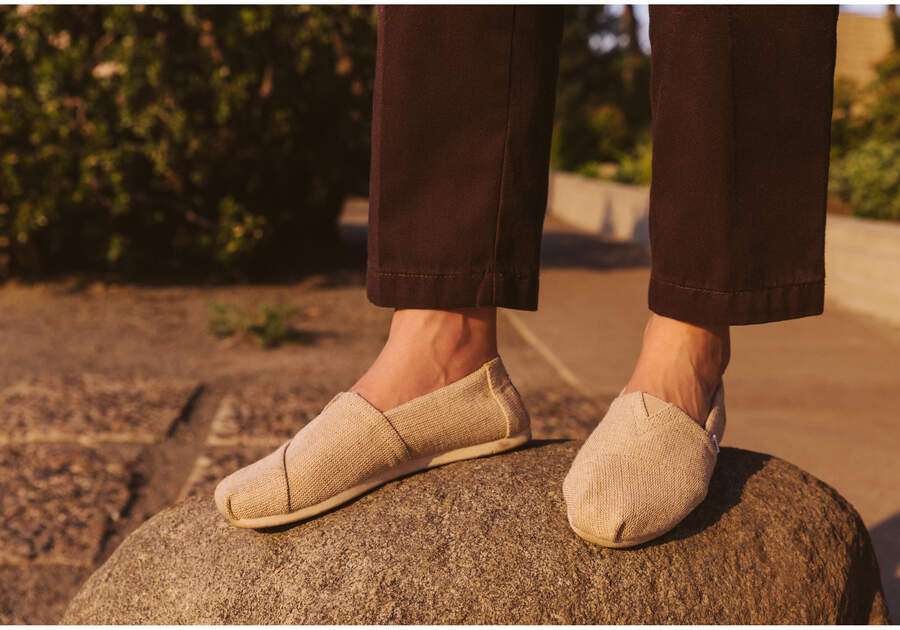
(741, 100)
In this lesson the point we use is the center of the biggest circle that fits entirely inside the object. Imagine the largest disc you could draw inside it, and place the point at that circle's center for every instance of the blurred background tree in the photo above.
(865, 151)
(603, 98)
(180, 139)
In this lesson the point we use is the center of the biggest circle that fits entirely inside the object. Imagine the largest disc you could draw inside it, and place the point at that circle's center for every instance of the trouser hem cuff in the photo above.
(755, 306)
(452, 290)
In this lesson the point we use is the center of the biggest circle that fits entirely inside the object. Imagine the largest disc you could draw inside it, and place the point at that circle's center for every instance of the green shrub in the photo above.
(269, 324)
(865, 150)
(868, 178)
(179, 139)
(884, 113)
(590, 135)
(637, 166)
(603, 94)
(847, 127)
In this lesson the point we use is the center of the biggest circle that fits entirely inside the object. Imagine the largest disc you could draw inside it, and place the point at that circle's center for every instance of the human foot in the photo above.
(644, 468)
(681, 363)
(427, 350)
(352, 447)
(648, 463)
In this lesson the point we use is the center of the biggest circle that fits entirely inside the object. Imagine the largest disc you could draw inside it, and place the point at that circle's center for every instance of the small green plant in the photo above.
(269, 324)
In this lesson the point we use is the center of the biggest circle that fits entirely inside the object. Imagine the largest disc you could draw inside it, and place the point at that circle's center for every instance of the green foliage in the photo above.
(603, 98)
(865, 133)
(598, 170)
(590, 135)
(160, 139)
(845, 131)
(269, 324)
(884, 115)
(637, 166)
(868, 178)
(632, 168)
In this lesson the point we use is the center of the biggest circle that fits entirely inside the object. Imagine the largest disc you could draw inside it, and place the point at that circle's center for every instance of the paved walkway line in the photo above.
(85, 439)
(551, 357)
(196, 474)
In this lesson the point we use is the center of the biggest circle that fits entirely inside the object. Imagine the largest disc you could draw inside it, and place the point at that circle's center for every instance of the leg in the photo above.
(741, 101)
(742, 114)
(461, 138)
(428, 349)
(460, 153)
(460, 150)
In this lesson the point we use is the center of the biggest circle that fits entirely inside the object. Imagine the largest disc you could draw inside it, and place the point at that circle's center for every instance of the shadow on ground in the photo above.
(560, 249)
(734, 468)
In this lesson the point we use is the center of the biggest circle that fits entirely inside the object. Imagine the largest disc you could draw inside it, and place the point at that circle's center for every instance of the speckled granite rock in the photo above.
(487, 541)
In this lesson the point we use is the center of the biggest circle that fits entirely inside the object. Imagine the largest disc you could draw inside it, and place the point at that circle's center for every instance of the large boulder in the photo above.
(487, 541)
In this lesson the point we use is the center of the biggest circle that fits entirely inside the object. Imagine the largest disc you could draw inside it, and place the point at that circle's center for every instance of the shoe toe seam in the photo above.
(287, 478)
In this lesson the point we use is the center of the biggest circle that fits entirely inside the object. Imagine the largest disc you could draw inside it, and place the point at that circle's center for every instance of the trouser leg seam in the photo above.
(503, 158)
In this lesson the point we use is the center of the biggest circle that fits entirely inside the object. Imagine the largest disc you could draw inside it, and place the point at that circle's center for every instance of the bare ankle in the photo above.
(426, 350)
(464, 334)
(682, 363)
(708, 347)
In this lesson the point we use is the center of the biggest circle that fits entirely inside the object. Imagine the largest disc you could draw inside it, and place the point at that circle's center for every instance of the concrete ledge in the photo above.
(614, 211)
(862, 265)
(862, 256)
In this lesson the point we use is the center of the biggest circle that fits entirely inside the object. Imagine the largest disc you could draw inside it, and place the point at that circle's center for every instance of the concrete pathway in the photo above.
(821, 392)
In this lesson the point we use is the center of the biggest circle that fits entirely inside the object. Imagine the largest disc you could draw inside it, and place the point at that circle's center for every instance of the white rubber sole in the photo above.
(415, 465)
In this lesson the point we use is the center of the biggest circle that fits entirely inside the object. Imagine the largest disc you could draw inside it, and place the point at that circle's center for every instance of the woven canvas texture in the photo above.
(350, 442)
(260, 489)
(344, 445)
(482, 407)
(639, 474)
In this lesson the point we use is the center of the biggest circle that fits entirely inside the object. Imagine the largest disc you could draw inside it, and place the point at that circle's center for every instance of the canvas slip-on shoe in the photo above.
(644, 468)
(352, 447)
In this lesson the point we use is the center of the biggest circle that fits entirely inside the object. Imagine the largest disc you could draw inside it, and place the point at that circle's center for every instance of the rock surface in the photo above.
(487, 541)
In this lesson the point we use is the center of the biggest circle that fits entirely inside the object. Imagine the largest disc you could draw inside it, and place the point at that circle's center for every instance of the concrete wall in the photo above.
(862, 256)
(862, 265)
(615, 211)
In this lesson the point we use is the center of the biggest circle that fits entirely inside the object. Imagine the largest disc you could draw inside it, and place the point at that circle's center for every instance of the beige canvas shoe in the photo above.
(351, 447)
(644, 468)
